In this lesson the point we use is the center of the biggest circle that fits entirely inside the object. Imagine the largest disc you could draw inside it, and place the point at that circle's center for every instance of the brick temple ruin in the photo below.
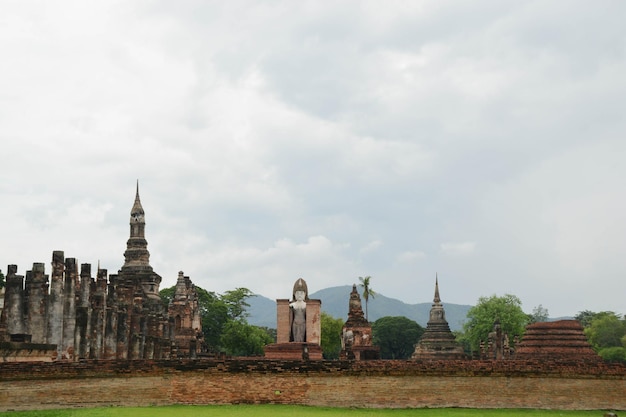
(72, 315)
(298, 326)
(356, 334)
(438, 342)
(562, 339)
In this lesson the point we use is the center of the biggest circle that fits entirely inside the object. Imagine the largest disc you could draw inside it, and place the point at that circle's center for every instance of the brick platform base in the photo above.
(374, 384)
(294, 351)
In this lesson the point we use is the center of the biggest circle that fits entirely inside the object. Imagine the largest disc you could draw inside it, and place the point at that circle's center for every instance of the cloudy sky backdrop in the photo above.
(483, 141)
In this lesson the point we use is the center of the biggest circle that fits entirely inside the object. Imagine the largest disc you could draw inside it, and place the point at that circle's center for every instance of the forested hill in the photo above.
(335, 302)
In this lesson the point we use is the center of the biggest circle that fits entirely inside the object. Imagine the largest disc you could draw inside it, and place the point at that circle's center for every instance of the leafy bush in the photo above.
(613, 354)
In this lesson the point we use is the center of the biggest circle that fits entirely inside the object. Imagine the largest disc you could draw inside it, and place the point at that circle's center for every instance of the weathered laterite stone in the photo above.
(562, 339)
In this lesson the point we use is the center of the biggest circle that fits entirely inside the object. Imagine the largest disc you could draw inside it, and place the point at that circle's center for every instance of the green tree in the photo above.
(167, 294)
(214, 316)
(539, 314)
(613, 354)
(585, 317)
(331, 336)
(481, 318)
(236, 303)
(606, 330)
(396, 336)
(242, 339)
(461, 338)
(367, 291)
(1, 279)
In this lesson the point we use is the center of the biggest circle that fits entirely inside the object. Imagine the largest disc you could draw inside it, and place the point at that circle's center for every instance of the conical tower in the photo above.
(137, 269)
(356, 334)
(142, 318)
(438, 342)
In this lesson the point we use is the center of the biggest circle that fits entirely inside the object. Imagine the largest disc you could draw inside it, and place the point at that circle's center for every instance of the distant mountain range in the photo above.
(335, 302)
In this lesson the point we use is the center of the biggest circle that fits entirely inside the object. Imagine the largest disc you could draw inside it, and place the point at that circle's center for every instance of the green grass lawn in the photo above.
(288, 410)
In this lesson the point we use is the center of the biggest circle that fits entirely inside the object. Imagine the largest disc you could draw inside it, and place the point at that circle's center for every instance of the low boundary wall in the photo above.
(372, 384)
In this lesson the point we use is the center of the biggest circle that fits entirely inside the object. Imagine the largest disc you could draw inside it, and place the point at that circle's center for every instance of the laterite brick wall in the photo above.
(476, 384)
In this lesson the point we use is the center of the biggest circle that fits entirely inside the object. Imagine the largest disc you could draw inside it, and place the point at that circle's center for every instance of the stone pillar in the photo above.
(110, 325)
(36, 294)
(69, 308)
(153, 333)
(14, 302)
(97, 301)
(283, 328)
(136, 327)
(3, 319)
(122, 333)
(313, 321)
(55, 302)
(125, 296)
(83, 312)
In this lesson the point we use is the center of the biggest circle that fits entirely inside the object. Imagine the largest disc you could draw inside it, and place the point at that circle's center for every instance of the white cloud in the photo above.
(457, 248)
(372, 246)
(410, 256)
(273, 141)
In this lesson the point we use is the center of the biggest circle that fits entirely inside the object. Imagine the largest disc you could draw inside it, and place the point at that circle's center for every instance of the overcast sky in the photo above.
(482, 141)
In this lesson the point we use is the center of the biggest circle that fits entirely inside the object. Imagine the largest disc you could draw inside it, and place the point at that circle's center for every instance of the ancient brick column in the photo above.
(313, 321)
(136, 329)
(122, 332)
(283, 329)
(97, 301)
(110, 325)
(69, 308)
(36, 294)
(14, 302)
(55, 302)
(82, 333)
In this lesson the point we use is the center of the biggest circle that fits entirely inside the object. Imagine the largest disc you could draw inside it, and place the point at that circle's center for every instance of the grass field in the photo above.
(286, 410)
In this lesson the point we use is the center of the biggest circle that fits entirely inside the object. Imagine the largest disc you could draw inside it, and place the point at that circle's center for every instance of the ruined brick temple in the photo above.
(356, 333)
(298, 326)
(438, 342)
(71, 315)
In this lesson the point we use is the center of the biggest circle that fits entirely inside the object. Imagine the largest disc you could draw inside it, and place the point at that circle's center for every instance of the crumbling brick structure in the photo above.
(77, 316)
(356, 334)
(562, 339)
(185, 312)
(289, 345)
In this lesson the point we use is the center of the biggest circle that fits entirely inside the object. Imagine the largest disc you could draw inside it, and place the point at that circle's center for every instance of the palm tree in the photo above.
(367, 291)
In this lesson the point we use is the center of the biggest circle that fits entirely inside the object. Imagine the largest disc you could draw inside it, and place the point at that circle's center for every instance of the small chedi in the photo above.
(437, 342)
(556, 340)
(298, 326)
(71, 315)
(185, 313)
(356, 334)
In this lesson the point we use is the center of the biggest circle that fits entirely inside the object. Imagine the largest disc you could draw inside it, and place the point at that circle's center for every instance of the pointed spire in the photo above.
(137, 208)
(136, 247)
(437, 299)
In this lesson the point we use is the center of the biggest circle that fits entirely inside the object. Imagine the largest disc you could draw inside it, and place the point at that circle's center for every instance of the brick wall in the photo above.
(478, 384)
